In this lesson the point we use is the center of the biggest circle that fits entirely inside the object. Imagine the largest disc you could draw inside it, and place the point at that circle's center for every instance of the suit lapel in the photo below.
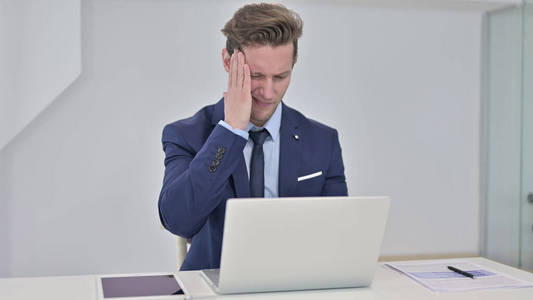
(290, 152)
(240, 175)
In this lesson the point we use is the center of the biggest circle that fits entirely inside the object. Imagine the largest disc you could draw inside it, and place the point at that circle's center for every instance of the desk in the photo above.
(388, 284)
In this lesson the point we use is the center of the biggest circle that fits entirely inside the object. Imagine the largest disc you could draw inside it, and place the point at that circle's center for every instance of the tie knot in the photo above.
(258, 137)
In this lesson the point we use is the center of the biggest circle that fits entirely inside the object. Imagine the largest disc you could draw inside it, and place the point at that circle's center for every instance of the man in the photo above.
(249, 144)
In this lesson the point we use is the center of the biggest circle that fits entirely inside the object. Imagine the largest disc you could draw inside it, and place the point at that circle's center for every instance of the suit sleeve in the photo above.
(335, 184)
(193, 184)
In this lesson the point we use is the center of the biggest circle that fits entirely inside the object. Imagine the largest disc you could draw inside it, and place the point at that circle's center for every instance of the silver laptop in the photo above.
(281, 244)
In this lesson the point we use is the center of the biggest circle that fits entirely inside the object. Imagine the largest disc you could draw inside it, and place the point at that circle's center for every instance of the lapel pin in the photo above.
(296, 137)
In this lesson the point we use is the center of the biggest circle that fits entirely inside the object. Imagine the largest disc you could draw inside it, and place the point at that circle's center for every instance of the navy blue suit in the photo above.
(192, 202)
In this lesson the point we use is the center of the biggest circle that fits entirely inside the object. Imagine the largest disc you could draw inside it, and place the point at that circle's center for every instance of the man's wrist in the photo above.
(236, 125)
(236, 131)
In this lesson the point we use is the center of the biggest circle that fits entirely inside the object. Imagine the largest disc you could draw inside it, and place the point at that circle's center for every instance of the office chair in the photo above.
(182, 247)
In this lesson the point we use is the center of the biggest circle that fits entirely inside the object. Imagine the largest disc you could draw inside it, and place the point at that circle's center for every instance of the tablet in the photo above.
(134, 286)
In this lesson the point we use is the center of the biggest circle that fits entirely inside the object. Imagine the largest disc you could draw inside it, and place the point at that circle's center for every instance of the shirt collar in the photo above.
(272, 125)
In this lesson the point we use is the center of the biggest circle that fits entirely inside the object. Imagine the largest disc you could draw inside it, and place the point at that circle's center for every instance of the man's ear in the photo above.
(226, 57)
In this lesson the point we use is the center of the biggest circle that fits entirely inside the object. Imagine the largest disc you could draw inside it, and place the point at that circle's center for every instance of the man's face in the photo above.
(270, 71)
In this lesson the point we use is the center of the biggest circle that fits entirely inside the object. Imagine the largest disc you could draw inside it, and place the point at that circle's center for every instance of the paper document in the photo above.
(436, 276)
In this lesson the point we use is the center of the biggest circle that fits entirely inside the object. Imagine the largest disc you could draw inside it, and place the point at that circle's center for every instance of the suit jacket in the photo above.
(205, 166)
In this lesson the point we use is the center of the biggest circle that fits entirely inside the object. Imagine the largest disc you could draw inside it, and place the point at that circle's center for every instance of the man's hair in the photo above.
(263, 24)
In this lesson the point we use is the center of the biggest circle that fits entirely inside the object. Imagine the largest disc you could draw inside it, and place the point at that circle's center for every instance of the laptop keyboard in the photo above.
(213, 275)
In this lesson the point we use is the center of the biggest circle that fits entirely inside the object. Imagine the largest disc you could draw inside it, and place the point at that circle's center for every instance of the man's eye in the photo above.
(281, 77)
(255, 76)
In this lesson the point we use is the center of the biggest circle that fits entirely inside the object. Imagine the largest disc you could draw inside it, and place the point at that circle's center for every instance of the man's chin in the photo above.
(260, 119)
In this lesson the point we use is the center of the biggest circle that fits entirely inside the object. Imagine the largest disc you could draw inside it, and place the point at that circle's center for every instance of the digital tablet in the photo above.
(133, 286)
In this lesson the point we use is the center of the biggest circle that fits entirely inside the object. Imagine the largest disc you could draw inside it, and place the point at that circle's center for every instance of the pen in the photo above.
(464, 273)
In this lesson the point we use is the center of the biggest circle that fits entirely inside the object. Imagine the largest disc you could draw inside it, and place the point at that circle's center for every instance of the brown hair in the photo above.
(263, 24)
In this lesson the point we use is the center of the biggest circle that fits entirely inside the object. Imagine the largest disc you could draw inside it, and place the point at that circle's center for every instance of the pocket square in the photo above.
(302, 178)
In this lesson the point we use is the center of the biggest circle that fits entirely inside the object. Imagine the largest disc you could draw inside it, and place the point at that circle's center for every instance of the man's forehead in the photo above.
(268, 59)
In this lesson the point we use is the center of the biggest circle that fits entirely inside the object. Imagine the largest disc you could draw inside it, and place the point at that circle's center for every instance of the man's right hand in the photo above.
(238, 97)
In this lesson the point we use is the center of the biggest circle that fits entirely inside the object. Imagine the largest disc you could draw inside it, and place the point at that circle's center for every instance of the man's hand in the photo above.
(238, 98)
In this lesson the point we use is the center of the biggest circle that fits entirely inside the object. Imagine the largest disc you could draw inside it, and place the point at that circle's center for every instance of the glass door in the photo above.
(507, 144)
(526, 247)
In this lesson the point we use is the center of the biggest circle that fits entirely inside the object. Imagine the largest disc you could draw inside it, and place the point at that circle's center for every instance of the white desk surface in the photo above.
(387, 284)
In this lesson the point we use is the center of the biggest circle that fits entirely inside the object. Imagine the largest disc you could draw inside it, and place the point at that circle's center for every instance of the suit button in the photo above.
(221, 150)
(219, 155)
(215, 162)
(212, 168)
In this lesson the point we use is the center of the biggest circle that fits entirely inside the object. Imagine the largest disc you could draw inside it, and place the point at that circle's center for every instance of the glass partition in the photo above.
(508, 136)
(526, 245)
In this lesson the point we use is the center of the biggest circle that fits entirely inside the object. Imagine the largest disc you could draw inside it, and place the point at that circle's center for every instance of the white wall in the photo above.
(39, 57)
(401, 85)
(403, 88)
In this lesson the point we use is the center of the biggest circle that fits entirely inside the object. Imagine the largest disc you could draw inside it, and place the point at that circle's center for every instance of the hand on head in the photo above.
(238, 97)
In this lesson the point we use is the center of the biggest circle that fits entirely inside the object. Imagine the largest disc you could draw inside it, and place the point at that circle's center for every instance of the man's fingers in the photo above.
(230, 73)
(234, 68)
(240, 71)
(231, 70)
(247, 79)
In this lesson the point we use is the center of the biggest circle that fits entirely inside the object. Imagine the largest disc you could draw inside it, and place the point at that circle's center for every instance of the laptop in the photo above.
(282, 244)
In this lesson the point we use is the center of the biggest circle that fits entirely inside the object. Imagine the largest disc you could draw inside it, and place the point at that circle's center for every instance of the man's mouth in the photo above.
(261, 103)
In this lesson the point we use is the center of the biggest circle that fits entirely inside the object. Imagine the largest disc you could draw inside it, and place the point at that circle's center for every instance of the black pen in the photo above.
(464, 273)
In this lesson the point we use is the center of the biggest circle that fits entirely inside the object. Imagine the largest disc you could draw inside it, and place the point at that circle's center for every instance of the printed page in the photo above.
(437, 277)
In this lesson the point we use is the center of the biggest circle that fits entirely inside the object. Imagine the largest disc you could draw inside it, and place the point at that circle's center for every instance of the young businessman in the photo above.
(248, 144)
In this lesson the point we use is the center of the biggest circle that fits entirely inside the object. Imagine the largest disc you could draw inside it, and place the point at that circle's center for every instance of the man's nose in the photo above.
(267, 89)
